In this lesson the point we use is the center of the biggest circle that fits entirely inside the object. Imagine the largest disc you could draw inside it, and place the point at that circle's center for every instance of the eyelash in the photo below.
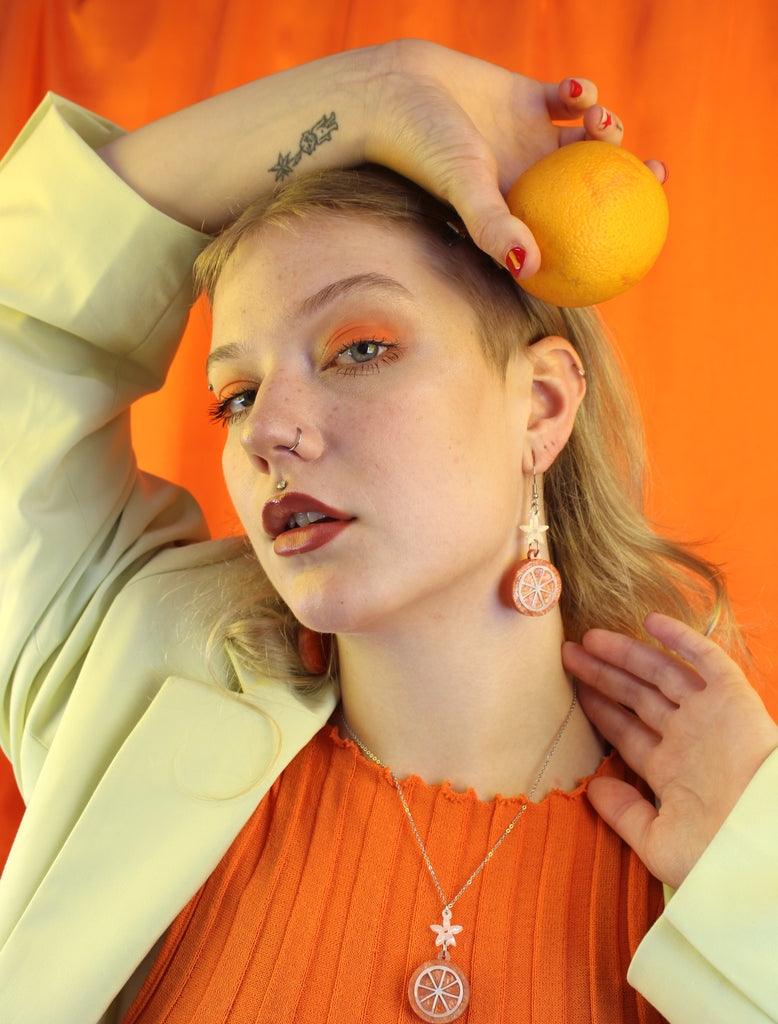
(219, 411)
(389, 355)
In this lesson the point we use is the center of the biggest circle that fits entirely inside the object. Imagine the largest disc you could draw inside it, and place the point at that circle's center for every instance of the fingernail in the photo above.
(607, 119)
(667, 172)
(515, 260)
(575, 88)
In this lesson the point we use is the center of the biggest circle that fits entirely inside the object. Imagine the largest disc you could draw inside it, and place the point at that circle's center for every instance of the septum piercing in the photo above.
(292, 447)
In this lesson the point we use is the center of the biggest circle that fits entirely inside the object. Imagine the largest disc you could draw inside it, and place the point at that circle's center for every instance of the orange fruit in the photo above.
(599, 217)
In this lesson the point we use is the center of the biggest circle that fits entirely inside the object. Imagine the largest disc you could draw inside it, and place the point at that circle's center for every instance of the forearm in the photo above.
(203, 164)
(460, 127)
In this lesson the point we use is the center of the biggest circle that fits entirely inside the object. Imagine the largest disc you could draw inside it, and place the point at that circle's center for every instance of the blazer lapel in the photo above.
(176, 793)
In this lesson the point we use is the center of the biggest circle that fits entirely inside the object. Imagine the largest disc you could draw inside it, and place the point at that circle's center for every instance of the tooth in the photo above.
(303, 519)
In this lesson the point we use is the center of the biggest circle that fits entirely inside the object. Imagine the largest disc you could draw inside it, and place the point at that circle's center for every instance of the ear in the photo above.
(558, 388)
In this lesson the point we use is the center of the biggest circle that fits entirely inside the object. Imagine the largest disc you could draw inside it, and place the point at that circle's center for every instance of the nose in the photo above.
(281, 427)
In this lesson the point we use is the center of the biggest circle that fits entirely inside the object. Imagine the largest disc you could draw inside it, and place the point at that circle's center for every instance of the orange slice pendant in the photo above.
(438, 991)
(537, 586)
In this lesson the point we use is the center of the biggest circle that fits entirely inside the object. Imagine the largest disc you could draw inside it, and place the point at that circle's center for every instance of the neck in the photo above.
(481, 711)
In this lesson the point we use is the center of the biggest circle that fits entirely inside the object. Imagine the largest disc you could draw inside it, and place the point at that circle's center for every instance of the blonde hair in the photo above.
(614, 565)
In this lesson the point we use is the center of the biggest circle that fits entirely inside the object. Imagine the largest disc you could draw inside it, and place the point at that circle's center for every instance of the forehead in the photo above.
(292, 270)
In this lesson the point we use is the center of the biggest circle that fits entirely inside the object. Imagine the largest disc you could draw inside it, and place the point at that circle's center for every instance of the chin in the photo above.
(334, 619)
(328, 608)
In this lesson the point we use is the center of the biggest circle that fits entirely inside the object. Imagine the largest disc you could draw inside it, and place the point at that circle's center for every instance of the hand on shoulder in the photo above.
(687, 720)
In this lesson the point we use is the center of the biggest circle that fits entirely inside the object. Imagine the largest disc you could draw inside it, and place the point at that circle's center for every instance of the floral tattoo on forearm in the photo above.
(309, 140)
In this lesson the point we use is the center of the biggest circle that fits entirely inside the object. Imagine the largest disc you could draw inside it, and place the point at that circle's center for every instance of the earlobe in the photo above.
(558, 388)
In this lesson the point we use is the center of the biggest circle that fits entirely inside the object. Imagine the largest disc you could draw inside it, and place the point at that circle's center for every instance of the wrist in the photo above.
(203, 164)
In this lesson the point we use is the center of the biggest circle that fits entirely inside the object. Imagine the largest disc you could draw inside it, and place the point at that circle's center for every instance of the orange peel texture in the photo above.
(599, 217)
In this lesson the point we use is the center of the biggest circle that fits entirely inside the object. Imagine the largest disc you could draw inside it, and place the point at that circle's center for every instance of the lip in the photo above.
(303, 539)
(276, 513)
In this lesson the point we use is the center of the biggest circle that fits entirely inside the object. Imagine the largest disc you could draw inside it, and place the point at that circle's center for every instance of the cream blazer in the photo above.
(139, 757)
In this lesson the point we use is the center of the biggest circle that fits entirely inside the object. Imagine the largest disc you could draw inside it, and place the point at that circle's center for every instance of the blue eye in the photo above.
(363, 351)
(365, 355)
(233, 408)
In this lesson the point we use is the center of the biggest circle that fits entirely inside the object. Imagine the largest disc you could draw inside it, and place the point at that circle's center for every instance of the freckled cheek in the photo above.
(235, 467)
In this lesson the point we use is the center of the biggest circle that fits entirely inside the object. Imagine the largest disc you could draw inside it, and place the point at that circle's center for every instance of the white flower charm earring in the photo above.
(537, 586)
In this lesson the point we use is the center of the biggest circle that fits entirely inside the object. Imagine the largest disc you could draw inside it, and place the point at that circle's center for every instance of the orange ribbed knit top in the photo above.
(321, 909)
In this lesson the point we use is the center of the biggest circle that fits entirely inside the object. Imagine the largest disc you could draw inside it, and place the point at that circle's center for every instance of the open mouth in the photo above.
(297, 511)
(298, 519)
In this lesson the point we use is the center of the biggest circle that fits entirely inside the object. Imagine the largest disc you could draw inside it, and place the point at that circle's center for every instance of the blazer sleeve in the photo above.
(713, 954)
(94, 295)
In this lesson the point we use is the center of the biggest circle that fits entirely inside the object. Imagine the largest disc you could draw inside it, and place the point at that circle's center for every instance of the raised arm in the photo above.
(94, 292)
(462, 128)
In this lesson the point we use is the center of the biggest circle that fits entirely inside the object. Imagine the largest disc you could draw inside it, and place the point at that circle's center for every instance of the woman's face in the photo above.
(411, 445)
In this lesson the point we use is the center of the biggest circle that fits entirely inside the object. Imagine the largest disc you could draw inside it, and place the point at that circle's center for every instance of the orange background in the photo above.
(695, 86)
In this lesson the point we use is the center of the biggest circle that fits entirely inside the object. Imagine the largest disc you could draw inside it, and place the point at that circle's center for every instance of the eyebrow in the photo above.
(315, 302)
(337, 289)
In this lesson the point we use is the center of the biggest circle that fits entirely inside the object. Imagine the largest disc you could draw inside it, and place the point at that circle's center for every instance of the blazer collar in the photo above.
(178, 790)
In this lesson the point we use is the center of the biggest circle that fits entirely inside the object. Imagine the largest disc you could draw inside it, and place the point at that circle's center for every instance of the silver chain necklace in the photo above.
(439, 990)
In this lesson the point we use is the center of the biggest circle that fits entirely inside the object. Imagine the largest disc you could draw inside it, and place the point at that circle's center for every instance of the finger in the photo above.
(675, 679)
(659, 170)
(603, 125)
(649, 704)
(702, 653)
(568, 100)
(572, 133)
(478, 201)
(628, 813)
(634, 740)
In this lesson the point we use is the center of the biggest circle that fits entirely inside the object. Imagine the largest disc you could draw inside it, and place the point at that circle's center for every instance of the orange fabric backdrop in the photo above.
(693, 90)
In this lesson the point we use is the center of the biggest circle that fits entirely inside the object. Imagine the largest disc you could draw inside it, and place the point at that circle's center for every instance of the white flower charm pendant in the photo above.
(438, 990)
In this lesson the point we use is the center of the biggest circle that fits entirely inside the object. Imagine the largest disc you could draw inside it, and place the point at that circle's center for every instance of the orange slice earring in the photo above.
(314, 650)
(537, 586)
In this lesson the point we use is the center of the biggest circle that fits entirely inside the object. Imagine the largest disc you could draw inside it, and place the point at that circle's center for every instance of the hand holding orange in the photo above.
(599, 217)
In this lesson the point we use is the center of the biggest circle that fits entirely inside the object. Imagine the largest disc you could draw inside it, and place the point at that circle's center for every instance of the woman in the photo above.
(422, 474)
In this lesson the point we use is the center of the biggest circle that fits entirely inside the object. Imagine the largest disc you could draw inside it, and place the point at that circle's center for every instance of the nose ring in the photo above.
(292, 447)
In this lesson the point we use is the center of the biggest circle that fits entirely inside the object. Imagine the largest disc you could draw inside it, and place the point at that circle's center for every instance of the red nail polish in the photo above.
(575, 88)
(515, 260)
(607, 119)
